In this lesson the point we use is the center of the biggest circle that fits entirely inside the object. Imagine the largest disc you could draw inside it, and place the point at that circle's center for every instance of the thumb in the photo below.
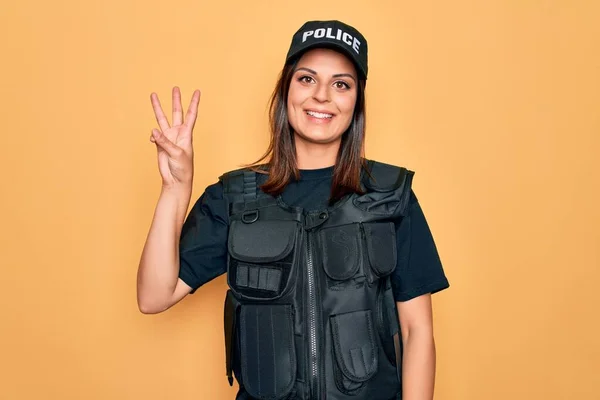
(164, 143)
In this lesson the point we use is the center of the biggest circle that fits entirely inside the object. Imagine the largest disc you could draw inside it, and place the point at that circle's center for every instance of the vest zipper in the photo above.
(312, 322)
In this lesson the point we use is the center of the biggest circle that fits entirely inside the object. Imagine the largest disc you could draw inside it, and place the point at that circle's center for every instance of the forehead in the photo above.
(327, 61)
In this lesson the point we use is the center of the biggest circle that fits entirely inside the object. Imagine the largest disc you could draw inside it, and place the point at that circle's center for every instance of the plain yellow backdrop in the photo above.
(494, 104)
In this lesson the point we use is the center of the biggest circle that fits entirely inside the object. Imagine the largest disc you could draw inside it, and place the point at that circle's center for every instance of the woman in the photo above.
(329, 259)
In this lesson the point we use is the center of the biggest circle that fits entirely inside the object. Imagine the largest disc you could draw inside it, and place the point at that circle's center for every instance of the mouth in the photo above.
(319, 115)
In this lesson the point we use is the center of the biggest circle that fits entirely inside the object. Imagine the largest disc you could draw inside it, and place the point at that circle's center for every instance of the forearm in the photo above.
(158, 270)
(418, 365)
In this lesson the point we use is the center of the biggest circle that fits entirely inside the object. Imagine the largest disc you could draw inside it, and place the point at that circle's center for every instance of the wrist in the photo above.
(177, 199)
(179, 195)
(181, 191)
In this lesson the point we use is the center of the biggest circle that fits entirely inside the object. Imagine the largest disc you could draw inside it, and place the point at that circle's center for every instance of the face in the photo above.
(322, 96)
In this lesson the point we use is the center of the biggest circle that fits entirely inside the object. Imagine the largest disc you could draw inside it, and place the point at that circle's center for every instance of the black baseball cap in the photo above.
(335, 35)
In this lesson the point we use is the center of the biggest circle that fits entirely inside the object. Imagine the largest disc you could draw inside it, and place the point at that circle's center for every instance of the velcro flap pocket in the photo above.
(268, 353)
(381, 246)
(354, 344)
(341, 251)
(261, 241)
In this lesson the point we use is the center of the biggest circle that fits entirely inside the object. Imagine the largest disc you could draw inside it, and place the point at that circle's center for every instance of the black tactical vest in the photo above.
(310, 313)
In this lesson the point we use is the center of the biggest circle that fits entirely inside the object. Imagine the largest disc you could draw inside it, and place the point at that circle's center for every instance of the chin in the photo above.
(318, 137)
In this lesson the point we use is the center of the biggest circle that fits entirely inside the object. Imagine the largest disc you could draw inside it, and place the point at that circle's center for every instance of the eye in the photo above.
(341, 85)
(306, 79)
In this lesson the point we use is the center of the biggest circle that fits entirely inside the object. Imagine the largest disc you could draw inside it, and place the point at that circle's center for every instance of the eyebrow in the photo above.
(334, 76)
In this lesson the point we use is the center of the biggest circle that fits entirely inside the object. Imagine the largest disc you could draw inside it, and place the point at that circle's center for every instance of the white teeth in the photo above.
(318, 114)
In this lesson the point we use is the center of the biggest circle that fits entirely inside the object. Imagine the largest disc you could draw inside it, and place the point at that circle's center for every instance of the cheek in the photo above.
(346, 106)
(293, 114)
(293, 101)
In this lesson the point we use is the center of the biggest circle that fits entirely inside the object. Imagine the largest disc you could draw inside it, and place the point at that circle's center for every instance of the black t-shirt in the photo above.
(203, 244)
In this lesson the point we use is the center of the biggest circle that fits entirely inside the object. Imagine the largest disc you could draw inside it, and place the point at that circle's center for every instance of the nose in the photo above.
(321, 93)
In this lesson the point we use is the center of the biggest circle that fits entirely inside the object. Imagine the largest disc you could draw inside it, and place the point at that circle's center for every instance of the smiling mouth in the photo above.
(319, 115)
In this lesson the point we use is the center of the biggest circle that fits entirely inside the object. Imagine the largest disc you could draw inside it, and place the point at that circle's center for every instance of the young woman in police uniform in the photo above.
(329, 259)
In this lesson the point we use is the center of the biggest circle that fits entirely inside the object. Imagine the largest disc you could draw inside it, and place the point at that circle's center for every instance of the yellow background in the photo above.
(494, 104)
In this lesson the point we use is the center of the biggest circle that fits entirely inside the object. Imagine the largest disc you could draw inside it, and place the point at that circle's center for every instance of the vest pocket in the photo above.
(261, 256)
(341, 251)
(231, 316)
(355, 350)
(381, 246)
(267, 350)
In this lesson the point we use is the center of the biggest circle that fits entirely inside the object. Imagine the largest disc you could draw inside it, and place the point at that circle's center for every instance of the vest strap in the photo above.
(249, 186)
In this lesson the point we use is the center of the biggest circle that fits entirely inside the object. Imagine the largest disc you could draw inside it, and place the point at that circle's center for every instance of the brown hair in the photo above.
(282, 166)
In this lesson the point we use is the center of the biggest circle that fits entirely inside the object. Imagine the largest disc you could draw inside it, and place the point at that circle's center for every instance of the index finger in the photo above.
(163, 123)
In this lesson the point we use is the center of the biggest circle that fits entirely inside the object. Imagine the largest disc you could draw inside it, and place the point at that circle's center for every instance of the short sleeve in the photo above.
(419, 268)
(203, 240)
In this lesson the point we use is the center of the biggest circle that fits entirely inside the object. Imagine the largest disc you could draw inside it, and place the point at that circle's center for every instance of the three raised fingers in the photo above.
(190, 117)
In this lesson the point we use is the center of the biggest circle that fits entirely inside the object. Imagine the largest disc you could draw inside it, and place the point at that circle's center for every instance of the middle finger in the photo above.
(177, 111)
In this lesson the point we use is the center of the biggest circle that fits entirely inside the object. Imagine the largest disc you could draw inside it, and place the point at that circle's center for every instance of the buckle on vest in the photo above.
(249, 217)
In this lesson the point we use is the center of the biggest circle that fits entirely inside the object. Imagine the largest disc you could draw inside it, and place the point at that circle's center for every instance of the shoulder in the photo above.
(235, 178)
(380, 177)
(235, 183)
(262, 168)
(233, 173)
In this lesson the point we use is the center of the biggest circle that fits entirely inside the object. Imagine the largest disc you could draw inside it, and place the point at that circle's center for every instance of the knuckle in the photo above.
(178, 152)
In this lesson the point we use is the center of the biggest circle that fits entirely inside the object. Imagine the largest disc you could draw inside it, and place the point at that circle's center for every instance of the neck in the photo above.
(310, 155)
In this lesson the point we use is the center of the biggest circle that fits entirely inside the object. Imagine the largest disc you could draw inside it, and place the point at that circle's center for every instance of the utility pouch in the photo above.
(267, 350)
(261, 257)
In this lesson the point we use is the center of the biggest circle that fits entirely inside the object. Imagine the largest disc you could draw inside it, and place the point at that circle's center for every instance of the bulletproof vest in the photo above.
(309, 312)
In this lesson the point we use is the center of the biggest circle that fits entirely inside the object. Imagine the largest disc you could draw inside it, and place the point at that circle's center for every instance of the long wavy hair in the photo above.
(281, 152)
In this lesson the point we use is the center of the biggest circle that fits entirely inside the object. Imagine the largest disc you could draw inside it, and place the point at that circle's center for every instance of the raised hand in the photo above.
(174, 142)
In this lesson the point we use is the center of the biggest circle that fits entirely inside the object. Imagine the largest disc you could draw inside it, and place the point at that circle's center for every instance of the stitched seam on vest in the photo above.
(257, 349)
(371, 343)
(273, 344)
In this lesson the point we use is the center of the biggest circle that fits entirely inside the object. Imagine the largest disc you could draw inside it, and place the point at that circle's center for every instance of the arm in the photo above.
(158, 284)
(418, 361)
